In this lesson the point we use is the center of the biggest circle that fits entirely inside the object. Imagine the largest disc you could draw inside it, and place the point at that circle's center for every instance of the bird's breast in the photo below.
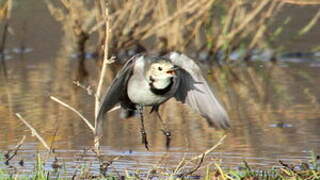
(139, 92)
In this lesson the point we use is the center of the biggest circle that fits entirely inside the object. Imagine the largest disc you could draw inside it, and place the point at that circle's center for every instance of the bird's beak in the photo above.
(172, 71)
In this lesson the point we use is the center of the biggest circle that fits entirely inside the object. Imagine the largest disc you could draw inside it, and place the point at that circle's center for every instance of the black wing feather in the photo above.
(195, 92)
(116, 93)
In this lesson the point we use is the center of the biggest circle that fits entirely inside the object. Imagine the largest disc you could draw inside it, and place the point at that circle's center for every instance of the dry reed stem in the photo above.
(299, 2)
(5, 15)
(222, 174)
(230, 17)
(129, 27)
(180, 165)
(79, 24)
(15, 151)
(202, 156)
(105, 62)
(205, 8)
(74, 110)
(211, 149)
(57, 13)
(311, 23)
(34, 132)
(189, 6)
(96, 27)
(263, 24)
(138, 21)
(245, 23)
(20, 142)
(195, 168)
(5, 10)
(135, 21)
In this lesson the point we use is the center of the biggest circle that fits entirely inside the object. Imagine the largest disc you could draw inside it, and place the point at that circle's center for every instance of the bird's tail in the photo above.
(127, 113)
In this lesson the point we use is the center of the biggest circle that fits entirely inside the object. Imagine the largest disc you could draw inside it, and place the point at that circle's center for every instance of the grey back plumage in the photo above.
(195, 92)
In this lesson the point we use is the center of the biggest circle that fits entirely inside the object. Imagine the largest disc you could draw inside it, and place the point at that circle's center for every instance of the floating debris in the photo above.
(88, 55)
(5, 57)
(281, 125)
(22, 50)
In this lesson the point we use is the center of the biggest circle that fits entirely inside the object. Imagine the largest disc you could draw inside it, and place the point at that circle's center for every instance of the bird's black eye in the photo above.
(160, 68)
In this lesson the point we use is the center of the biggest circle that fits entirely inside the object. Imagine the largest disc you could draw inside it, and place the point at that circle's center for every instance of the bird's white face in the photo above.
(162, 70)
(161, 73)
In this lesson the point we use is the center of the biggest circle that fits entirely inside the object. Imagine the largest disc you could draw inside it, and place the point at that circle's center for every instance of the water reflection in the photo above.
(261, 98)
(274, 109)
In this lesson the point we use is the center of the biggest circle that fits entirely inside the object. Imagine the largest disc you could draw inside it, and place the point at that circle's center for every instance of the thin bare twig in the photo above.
(194, 169)
(34, 132)
(105, 62)
(211, 149)
(201, 157)
(180, 165)
(87, 88)
(16, 149)
(74, 110)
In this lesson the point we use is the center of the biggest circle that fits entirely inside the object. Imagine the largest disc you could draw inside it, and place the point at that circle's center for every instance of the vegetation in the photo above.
(215, 26)
(218, 27)
(305, 170)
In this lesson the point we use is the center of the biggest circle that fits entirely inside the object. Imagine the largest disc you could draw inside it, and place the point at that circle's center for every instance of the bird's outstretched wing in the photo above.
(115, 92)
(194, 91)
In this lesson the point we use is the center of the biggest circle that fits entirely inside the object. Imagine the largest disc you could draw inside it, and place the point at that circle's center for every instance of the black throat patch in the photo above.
(160, 91)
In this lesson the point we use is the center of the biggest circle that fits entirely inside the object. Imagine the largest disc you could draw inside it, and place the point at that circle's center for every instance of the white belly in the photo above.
(139, 92)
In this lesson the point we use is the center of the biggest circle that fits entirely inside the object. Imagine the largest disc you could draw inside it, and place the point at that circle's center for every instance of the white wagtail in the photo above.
(150, 81)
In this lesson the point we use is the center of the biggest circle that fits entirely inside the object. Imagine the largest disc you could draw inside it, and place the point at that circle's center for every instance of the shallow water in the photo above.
(274, 111)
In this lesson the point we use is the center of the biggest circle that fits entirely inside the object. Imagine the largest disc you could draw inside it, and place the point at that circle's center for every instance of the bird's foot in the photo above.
(167, 133)
(144, 139)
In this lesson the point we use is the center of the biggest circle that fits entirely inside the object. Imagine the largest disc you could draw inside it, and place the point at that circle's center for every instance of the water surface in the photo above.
(273, 107)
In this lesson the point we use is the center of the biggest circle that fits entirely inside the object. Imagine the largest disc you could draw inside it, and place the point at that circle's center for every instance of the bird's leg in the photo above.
(142, 130)
(165, 130)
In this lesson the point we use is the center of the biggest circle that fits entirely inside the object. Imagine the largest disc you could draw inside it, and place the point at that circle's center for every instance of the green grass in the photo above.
(307, 170)
(287, 172)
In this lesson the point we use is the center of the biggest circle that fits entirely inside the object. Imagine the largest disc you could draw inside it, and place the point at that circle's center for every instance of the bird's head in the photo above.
(161, 73)
(162, 70)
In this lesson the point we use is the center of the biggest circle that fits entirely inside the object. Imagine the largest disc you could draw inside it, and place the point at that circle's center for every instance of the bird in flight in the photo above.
(151, 81)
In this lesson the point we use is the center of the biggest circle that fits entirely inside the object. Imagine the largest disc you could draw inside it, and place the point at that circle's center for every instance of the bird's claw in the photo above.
(168, 137)
(144, 139)
(166, 133)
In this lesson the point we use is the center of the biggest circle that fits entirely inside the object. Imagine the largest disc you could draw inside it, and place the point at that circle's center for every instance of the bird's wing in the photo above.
(194, 91)
(114, 92)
